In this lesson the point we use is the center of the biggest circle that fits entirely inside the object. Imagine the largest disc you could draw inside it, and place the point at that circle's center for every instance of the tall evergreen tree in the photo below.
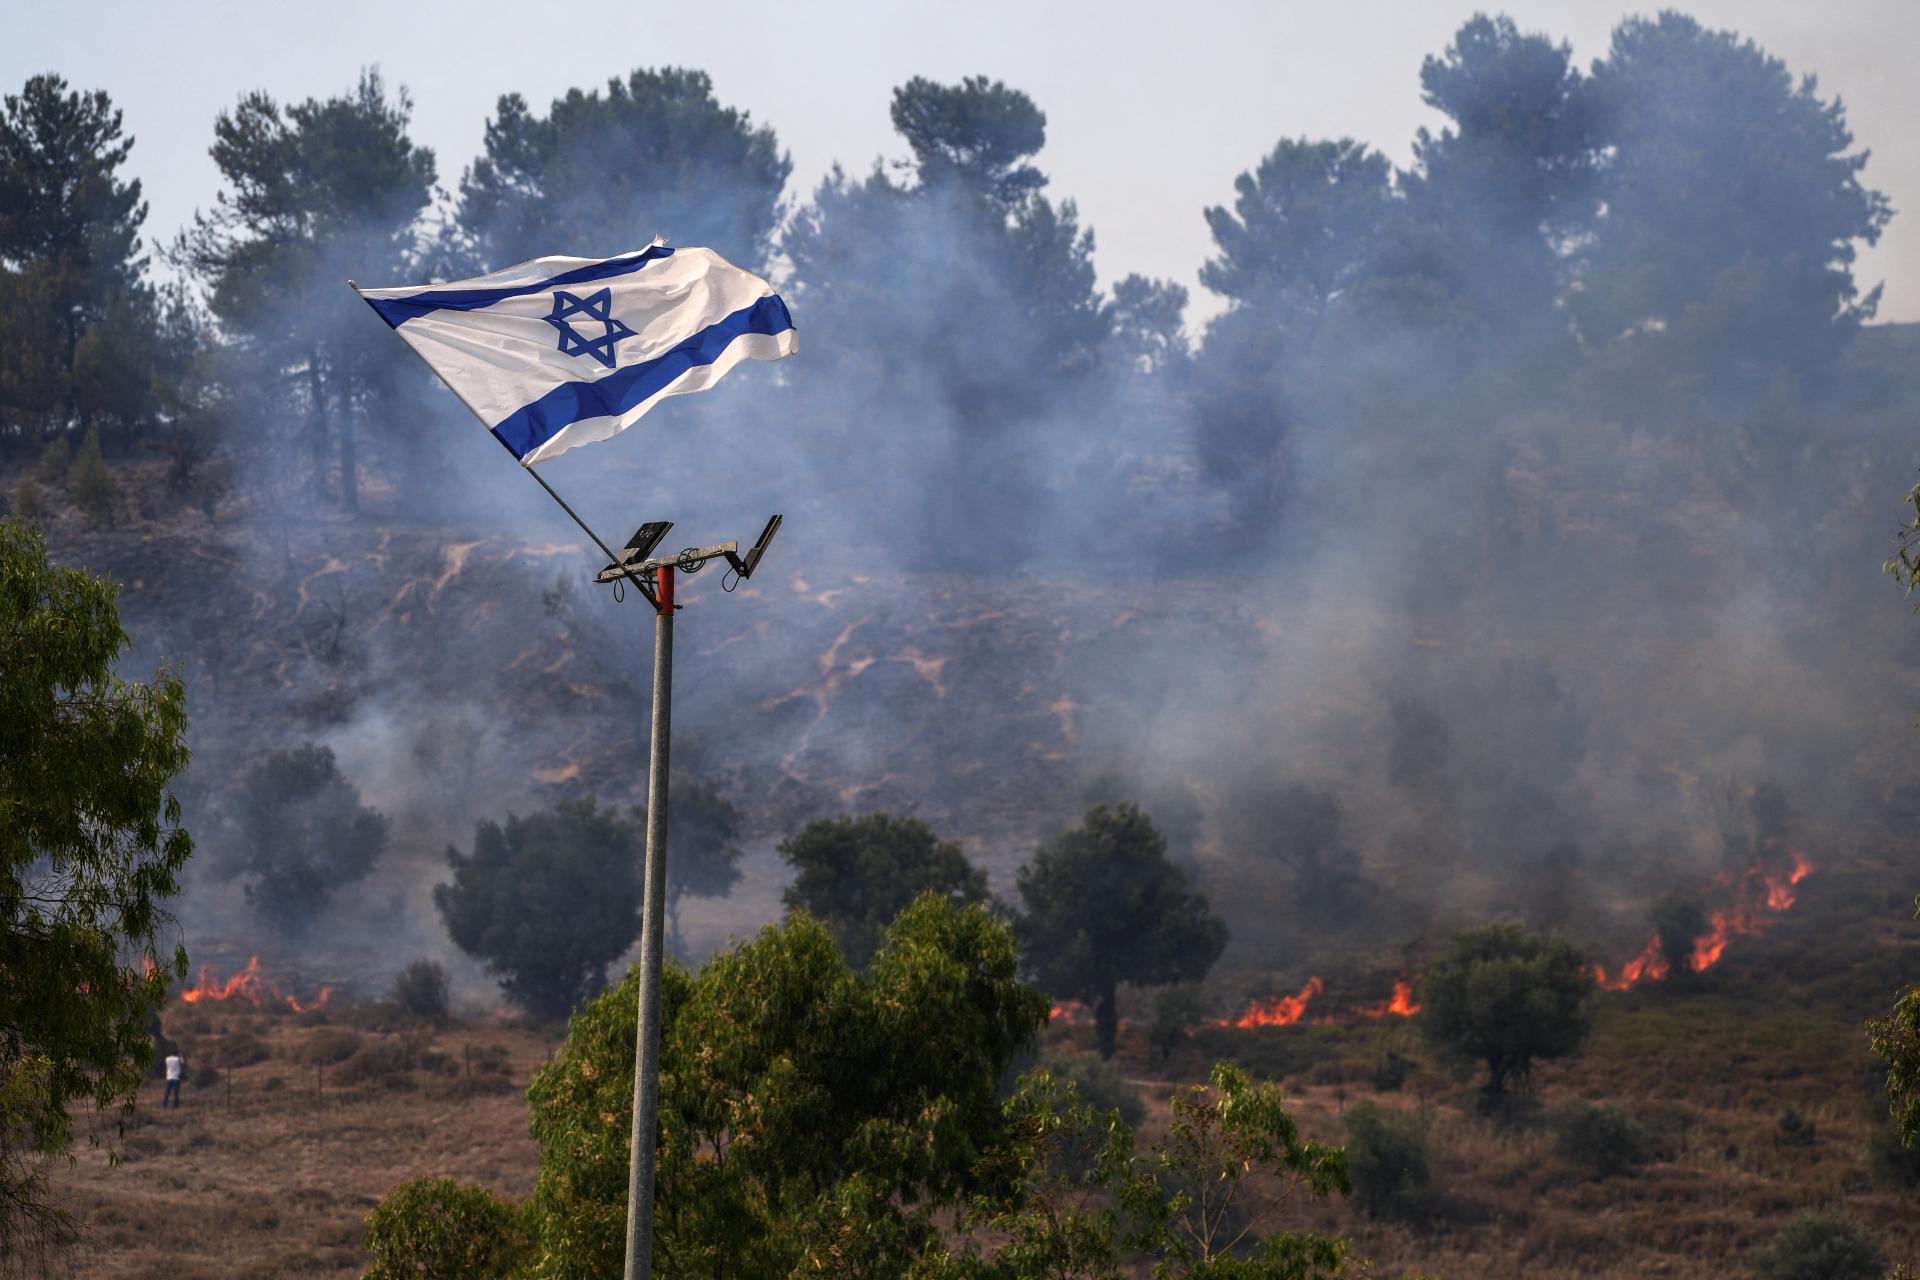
(1734, 205)
(1103, 905)
(1495, 198)
(601, 173)
(317, 193)
(956, 310)
(70, 257)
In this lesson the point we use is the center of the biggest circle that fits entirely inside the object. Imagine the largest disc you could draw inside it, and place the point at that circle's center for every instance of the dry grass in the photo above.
(275, 1177)
(279, 1181)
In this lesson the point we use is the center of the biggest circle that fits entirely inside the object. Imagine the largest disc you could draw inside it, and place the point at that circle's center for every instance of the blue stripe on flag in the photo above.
(397, 311)
(531, 426)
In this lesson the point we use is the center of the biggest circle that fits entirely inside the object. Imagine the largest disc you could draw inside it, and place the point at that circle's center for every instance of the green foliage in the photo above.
(1391, 1072)
(813, 1118)
(91, 484)
(975, 134)
(298, 832)
(857, 874)
(1301, 231)
(703, 844)
(91, 847)
(1602, 1142)
(1078, 1197)
(1047, 1214)
(1507, 996)
(1733, 202)
(422, 990)
(1387, 1161)
(317, 193)
(1896, 1040)
(56, 462)
(437, 1229)
(1103, 905)
(72, 283)
(1820, 1246)
(700, 172)
(1679, 921)
(971, 229)
(1477, 250)
(548, 901)
(1176, 1012)
(1231, 1154)
(1099, 1083)
(28, 502)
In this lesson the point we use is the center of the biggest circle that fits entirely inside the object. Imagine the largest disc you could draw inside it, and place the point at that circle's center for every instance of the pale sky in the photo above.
(1151, 109)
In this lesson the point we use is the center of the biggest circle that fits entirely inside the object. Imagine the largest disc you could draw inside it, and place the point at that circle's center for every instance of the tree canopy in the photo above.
(548, 900)
(808, 1111)
(299, 833)
(1102, 905)
(91, 848)
(83, 329)
(1507, 997)
(604, 172)
(1734, 203)
(317, 193)
(857, 874)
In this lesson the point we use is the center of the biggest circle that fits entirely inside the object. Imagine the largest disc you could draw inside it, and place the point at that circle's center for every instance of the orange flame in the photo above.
(1764, 892)
(249, 987)
(1068, 1013)
(1402, 1005)
(1281, 1011)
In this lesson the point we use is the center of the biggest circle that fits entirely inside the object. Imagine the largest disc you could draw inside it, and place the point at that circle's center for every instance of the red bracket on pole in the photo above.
(666, 590)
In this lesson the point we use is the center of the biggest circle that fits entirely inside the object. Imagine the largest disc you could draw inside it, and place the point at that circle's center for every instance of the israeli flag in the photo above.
(559, 352)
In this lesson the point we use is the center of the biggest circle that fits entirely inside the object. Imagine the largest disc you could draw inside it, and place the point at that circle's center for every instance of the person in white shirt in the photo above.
(176, 1068)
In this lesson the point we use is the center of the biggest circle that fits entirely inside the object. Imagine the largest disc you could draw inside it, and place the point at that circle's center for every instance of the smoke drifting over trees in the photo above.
(1497, 526)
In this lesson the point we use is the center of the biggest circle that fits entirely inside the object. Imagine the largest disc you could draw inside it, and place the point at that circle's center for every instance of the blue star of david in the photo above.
(598, 309)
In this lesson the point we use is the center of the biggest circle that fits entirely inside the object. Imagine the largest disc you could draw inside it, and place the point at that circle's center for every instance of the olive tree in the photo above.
(1103, 905)
(1506, 996)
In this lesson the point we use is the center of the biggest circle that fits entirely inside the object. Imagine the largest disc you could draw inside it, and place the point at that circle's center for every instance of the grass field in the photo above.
(271, 1165)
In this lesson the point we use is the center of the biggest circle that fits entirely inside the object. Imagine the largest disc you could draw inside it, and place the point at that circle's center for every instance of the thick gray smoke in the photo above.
(1425, 613)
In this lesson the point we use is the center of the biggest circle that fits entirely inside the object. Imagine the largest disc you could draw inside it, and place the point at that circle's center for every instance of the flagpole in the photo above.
(646, 1047)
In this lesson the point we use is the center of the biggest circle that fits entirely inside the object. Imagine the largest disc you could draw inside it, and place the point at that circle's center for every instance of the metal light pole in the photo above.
(633, 565)
(646, 1041)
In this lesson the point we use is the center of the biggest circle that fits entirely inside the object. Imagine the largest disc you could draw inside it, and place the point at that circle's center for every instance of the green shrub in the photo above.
(421, 989)
(1821, 1246)
(92, 485)
(1391, 1072)
(1601, 1142)
(1387, 1161)
(55, 462)
(1176, 1011)
(1100, 1084)
(29, 503)
(436, 1229)
(1794, 1130)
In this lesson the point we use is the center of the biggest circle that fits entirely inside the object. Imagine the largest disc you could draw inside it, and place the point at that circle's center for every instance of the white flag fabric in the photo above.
(559, 352)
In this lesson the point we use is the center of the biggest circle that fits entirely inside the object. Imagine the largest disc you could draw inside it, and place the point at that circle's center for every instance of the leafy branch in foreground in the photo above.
(90, 848)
